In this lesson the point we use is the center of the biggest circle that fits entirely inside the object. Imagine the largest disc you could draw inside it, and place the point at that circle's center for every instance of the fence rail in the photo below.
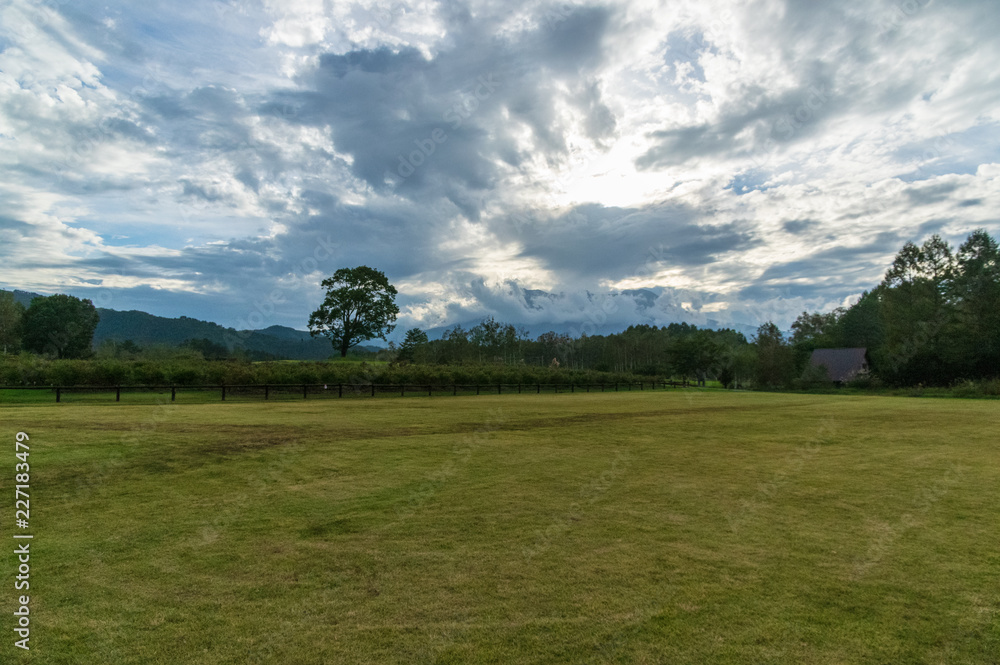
(340, 390)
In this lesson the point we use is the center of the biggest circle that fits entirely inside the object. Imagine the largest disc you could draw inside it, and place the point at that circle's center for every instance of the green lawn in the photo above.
(666, 527)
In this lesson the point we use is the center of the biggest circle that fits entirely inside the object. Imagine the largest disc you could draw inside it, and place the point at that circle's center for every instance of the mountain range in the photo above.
(146, 329)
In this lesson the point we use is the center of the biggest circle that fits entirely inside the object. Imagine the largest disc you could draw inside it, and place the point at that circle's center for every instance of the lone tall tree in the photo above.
(359, 305)
(59, 325)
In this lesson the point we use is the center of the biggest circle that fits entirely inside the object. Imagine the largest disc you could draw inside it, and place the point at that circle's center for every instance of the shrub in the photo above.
(981, 388)
(149, 374)
(109, 372)
(814, 376)
(865, 382)
(184, 376)
(66, 373)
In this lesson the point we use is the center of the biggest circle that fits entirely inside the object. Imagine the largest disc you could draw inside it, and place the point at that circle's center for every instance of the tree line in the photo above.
(677, 349)
(933, 320)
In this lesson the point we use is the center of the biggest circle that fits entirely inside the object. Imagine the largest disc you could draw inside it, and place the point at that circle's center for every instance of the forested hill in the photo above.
(24, 297)
(145, 329)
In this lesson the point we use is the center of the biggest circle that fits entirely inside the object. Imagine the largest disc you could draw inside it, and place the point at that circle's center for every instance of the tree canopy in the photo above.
(360, 304)
(11, 313)
(934, 319)
(59, 325)
(413, 343)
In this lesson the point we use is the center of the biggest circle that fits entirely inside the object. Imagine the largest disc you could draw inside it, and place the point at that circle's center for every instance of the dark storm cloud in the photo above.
(573, 45)
(12, 230)
(205, 118)
(168, 107)
(390, 111)
(120, 128)
(829, 273)
(600, 122)
(595, 242)
(429, 128)
(197, 191)
(796, 226)
(772, 120)
(931, 194)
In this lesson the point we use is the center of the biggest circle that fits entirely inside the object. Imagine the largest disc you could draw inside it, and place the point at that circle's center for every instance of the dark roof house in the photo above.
(841, 364)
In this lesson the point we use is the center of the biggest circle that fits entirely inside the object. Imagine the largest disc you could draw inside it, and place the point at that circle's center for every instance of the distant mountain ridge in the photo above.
(145, 329)
(24, 297)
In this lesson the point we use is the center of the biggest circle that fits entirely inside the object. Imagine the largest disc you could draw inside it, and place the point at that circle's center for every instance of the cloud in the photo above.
(452, 125)
(576, 243)
(720, 162)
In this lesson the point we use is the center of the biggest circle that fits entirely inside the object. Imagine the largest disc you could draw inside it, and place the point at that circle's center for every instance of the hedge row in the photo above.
(106, 372)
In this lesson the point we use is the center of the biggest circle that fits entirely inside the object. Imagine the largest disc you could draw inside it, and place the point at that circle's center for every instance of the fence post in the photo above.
(454, 390)
(572, 388)
(429, 390)
(173, 393)
(58, 394)
(402, 390)
(539, 386)
(223, 392)
(519, 389)
(616, 386)
(340, 390)
(477, 388)
(265, 391)
(373, 390)
(305, 391)
(499, 389)
(118, 393)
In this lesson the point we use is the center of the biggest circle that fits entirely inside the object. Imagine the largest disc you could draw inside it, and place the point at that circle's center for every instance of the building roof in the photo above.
(841, 364)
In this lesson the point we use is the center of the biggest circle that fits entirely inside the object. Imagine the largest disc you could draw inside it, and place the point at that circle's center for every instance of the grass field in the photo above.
(667, 527)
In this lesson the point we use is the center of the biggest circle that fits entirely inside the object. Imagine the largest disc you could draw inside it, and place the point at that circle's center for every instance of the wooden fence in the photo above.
(341, 390)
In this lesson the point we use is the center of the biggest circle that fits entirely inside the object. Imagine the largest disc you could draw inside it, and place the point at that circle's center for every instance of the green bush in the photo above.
(814, 376)
(184, 376)
(107, 372)
(981, 388)
(144, 373)
(68, 373)
(866, 382)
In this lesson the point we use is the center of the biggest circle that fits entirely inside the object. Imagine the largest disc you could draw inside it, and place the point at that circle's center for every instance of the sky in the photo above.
(574, 166)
